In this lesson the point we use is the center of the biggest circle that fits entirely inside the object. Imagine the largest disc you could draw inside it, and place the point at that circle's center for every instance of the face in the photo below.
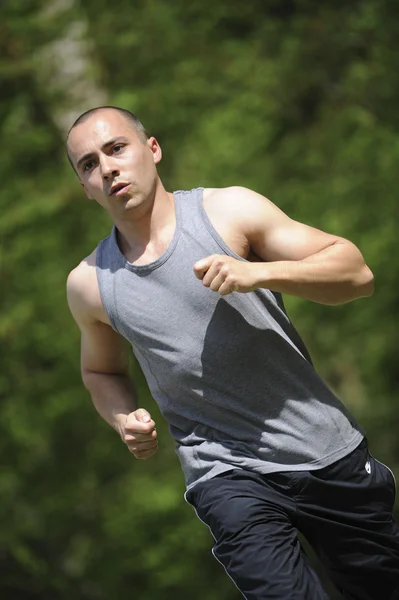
(115, 166)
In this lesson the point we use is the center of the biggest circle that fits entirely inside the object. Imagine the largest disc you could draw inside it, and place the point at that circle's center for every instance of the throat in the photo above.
(147, 239)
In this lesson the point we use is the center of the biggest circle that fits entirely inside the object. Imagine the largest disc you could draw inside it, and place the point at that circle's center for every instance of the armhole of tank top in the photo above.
(211, 229)
(275, 296)
(110, 310)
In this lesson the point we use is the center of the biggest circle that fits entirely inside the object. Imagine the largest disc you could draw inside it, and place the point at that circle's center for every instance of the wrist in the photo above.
(276, 275)
(119, 422)
(260, 275)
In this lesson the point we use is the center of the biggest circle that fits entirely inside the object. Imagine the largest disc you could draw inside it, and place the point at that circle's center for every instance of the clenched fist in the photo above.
(224, 274)
(139, 434)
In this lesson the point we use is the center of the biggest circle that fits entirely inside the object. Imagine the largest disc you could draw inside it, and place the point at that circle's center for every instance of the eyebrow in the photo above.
(105, 146)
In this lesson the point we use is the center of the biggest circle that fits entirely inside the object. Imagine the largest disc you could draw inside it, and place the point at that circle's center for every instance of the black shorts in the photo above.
(343, 510)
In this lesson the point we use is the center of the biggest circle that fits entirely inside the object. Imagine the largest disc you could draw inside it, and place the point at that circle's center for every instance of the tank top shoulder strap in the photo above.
(189, 211)
(108, 255)
(109, 260)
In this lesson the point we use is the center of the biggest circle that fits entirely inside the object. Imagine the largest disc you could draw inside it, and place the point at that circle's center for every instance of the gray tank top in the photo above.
(230, 374)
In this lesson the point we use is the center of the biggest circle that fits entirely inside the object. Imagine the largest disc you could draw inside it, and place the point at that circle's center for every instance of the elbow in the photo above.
(87, 379)
(365, 282)
(360, 278)
(368, 284)
(360, 285)
(91, 379)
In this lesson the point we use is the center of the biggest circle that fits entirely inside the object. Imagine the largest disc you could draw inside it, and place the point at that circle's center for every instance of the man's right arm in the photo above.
(105, 364)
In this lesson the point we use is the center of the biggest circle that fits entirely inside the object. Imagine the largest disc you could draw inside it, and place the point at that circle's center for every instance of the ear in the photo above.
(86, 192)
(155, 149)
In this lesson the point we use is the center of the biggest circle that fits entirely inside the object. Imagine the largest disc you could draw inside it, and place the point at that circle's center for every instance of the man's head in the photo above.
(135, 122)
(114, 157)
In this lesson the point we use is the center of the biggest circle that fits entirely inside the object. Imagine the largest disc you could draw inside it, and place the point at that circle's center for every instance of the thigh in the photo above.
(255, 539)
(346, 514)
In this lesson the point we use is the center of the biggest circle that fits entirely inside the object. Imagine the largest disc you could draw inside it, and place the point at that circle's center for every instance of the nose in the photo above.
(108, 170)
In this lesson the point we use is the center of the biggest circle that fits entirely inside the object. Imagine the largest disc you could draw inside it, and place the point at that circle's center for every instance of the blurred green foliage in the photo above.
(296, 99)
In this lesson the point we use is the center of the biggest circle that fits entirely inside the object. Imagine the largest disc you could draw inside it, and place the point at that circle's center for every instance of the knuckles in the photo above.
(141, 438)
(138, 427)
(224, 275)
(132, 436)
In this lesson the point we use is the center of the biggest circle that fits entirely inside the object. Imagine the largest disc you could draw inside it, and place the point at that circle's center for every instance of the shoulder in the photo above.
(83, 292)
(228, 194)
(240, 204)
(234, 198)
(80, 278)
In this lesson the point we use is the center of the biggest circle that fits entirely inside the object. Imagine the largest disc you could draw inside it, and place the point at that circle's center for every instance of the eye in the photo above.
(88, 165)
(118, 147)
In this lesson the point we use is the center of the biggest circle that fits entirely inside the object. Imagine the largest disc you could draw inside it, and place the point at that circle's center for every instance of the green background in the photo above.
(296, 99)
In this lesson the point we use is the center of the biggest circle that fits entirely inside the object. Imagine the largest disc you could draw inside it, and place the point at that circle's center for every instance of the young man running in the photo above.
(193, 280)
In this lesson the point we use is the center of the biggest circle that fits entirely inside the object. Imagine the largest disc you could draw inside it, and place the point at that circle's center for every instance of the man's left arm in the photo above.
(294, 258)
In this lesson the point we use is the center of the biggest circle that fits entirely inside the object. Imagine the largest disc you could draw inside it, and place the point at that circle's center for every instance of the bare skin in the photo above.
(281, 254)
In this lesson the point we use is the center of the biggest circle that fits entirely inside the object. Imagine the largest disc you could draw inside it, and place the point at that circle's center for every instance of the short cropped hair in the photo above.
(137, 124)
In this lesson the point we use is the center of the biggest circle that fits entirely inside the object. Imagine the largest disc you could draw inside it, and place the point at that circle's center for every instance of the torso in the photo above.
(214, 202)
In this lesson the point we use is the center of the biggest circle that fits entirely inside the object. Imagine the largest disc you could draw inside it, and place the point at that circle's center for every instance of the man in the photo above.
(193, 281)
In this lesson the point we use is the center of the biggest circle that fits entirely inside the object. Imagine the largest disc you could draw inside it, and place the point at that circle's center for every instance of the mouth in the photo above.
(119, 188)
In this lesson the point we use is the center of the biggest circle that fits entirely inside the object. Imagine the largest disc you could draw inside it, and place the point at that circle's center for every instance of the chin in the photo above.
(132, 203)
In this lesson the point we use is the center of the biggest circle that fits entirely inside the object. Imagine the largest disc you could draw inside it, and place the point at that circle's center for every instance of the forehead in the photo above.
(99, 128)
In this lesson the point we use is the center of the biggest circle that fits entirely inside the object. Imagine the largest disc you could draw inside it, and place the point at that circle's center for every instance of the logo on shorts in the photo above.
(367, 466)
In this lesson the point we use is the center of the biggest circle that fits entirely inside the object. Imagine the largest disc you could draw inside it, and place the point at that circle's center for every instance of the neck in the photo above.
(148, 224)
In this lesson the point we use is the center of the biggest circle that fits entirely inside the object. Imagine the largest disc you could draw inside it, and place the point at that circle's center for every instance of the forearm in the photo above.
(335, 275)
(113, 396)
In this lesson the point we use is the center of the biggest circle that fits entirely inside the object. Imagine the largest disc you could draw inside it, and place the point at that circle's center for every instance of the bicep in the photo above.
(103, 350)
(290, 240)
(273, 236)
